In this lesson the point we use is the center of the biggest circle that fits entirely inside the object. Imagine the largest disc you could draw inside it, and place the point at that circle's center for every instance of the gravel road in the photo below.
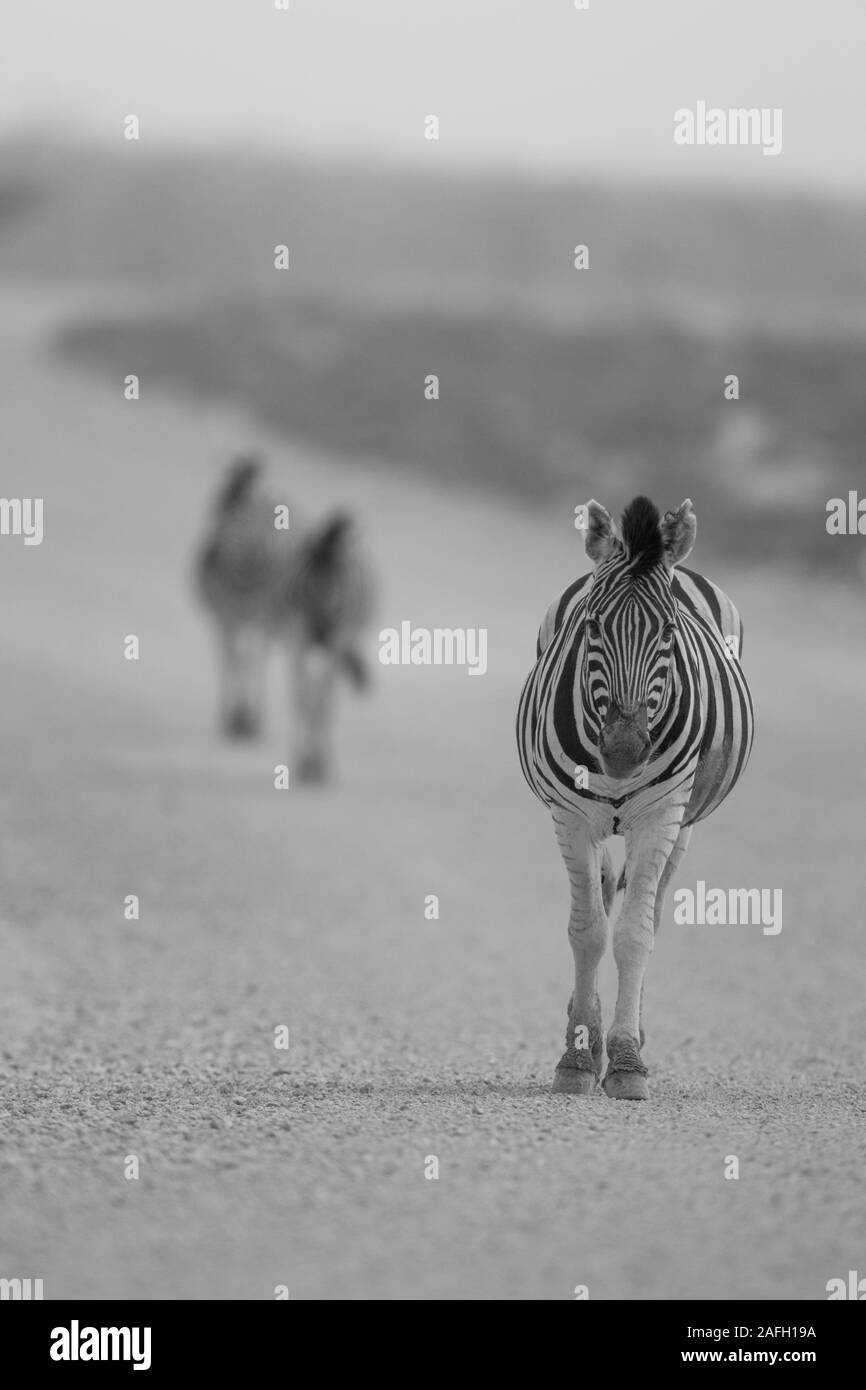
(409, 1039)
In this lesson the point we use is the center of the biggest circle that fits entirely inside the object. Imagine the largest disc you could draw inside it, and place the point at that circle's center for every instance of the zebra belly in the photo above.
(726, 742)
(719, 768)
(711, 786)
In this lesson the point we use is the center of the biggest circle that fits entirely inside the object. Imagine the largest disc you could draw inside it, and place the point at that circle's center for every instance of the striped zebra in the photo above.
(308, 590)
(240, 572)
(326, 607)
(635, 720)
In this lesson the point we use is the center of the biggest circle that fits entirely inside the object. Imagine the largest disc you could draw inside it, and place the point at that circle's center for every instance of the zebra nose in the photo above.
(627, 714)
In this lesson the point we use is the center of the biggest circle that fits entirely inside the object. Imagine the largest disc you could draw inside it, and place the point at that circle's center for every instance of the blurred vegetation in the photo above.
(553, 381)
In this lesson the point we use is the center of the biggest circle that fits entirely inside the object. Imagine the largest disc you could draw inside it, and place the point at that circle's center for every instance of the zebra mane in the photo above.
(641, 535)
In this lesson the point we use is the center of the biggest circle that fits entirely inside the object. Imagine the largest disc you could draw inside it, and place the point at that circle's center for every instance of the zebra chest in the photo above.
(612, 806)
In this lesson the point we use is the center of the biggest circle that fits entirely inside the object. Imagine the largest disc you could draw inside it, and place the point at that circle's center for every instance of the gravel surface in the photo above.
(410, 1039)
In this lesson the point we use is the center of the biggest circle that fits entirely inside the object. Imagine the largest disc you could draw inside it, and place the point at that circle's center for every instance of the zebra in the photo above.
(240, 573)
(308, 589)
(635, 720)
(326, 604)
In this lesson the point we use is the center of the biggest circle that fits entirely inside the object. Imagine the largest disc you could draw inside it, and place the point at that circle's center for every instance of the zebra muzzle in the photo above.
(624, 742)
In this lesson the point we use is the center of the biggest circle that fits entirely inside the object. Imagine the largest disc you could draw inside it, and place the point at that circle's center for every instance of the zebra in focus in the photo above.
(635, 720)
(309, 591)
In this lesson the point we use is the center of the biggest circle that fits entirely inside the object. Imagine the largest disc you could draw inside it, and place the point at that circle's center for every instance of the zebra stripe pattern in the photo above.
(636, 719)
(711, 717)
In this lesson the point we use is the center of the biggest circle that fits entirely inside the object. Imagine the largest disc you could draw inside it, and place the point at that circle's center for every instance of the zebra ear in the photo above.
(678, 531)
(601, 537)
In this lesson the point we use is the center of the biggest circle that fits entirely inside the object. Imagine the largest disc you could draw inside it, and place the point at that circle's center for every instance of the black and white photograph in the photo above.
(433, 629)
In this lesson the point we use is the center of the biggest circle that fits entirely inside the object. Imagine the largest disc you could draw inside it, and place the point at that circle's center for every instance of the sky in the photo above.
(527, 84)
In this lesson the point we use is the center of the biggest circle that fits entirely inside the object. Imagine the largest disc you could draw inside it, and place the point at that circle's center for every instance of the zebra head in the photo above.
(629, 632)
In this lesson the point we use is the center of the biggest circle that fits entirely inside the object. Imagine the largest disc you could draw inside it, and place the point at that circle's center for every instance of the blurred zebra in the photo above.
(309, 590)
(636, 720)
(327, 603)
(241, 571)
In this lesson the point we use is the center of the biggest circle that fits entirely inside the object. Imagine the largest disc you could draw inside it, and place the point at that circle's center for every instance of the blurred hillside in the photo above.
(555, 383)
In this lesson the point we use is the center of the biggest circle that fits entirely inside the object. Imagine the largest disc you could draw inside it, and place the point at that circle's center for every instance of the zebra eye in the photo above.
(592, 627)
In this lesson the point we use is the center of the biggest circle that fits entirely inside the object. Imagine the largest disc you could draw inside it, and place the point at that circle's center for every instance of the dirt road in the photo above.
(409, 1038)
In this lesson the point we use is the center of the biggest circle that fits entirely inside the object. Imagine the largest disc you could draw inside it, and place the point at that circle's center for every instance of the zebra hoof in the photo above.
(312, 773)
(626, 1085)
(572, 1081)
(311, 769)
(241, 724)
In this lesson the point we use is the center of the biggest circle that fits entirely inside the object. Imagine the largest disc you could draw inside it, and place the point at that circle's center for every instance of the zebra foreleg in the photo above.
(579, 1068)
(670, 869)
(312, 674)
(242, 663)
(649, 848)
